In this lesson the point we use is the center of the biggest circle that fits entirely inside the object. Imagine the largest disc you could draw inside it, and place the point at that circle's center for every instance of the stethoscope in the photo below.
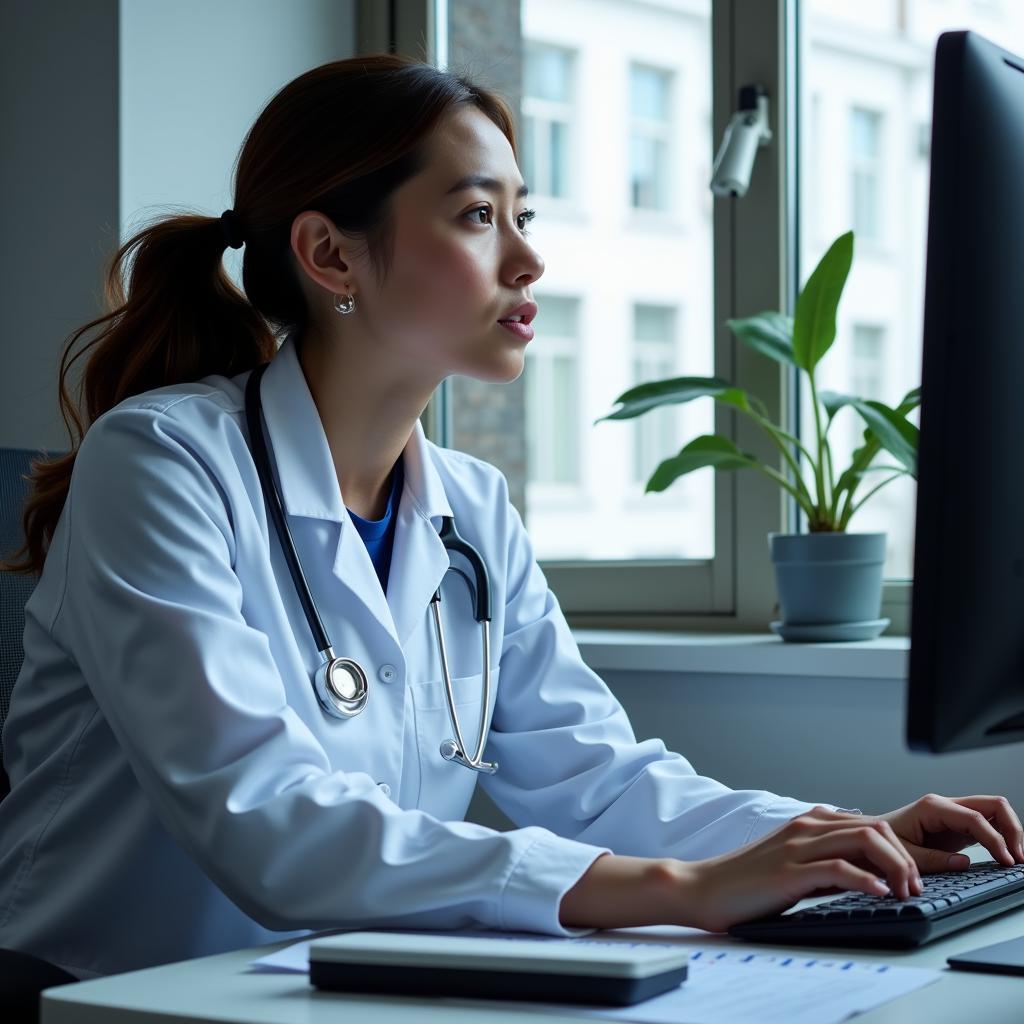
(340, 684)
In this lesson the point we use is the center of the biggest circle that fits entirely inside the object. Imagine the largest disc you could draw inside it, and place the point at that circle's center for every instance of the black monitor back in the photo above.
(966, 686)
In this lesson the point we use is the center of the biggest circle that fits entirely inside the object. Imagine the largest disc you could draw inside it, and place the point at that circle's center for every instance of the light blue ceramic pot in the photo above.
(826, 578)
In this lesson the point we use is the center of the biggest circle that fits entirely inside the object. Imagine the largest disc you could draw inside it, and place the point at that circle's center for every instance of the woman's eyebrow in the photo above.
(484, 182)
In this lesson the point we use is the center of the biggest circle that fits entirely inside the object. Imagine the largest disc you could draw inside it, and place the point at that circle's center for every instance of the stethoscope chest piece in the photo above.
(341, 686)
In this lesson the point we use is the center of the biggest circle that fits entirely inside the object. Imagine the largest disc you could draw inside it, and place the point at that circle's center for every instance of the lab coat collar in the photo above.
(309, 487)
(302, 456)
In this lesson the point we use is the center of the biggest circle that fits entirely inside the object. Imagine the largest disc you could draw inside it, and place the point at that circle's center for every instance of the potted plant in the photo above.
(829, 580)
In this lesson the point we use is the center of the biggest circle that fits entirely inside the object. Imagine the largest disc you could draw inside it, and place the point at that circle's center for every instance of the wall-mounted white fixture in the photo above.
(745, 133)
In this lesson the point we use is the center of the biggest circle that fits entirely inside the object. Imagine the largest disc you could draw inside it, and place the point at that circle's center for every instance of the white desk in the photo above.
(221, 988)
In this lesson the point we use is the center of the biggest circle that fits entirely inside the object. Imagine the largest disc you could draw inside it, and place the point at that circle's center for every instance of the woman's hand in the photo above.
(934, 827)
(817, 853)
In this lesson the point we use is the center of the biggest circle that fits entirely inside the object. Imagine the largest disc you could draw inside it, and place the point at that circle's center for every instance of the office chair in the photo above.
(15, 589)
(22, 976)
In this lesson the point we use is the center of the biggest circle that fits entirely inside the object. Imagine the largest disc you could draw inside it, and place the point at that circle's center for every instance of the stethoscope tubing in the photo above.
(272, 499)
(332, 702)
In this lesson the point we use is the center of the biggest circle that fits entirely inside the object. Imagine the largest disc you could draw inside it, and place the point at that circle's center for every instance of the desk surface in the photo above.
(222, 988)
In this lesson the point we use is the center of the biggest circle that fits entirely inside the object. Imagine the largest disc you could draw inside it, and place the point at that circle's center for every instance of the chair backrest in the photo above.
(15, 588)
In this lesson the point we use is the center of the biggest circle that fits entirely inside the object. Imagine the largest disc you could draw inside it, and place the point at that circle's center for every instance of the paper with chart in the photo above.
(723, 986)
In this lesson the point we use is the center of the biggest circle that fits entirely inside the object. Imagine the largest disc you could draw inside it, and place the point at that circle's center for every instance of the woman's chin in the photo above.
(500, 368)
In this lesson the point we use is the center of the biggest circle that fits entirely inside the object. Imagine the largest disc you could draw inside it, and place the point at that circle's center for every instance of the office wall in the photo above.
(115, 114)
(59, 183)
(194, 76)
(833, 740)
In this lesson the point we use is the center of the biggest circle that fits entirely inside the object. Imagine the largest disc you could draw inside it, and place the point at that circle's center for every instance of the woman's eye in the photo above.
(526, 215)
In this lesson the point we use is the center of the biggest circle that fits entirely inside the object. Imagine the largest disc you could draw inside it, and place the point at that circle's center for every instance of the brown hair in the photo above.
(339, 139)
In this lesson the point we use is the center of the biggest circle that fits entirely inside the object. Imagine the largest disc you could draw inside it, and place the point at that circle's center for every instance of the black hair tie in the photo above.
(232, 228)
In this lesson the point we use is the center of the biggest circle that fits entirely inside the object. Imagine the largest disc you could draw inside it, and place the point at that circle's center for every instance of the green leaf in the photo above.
(703, 451)
(911, 400)
(814, 325)
(769, 333)
(833, 401)
(896, 434)
(675, 390)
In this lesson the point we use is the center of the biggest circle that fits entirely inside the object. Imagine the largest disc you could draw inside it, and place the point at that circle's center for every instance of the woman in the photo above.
(179, 787)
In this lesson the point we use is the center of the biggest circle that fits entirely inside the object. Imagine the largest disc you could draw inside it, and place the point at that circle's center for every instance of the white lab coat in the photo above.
(177, 790)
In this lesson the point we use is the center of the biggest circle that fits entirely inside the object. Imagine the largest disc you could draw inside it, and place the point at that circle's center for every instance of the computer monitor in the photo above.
(966, 679)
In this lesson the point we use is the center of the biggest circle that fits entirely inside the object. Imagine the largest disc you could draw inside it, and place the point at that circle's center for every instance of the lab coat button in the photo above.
(387, 674)
(384, 788)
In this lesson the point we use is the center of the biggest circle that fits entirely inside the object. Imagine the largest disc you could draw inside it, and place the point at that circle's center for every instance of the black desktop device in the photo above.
(967, 620)
(966, 680)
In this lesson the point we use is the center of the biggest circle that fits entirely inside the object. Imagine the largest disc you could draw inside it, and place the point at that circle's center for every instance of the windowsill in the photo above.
(741, 654)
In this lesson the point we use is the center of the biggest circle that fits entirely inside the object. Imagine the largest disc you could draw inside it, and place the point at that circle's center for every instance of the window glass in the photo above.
(866, 169)
(654, 347)
(552, 396)
(546, 119)
(866, 81)
(606, 91)
(649, 133)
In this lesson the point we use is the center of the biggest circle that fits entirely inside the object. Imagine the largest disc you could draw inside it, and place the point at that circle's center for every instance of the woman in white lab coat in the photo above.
(177, 788)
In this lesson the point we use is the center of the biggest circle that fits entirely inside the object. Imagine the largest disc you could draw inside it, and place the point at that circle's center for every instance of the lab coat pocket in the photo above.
(445, 786)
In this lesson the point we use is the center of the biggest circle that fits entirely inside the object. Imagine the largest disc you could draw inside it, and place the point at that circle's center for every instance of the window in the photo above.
(650, 128)
(875, 61)
(626, 220)
(552, 394)
(657, 434)
(867, 362)
(865, 170)
(873, 58)
(547, 119)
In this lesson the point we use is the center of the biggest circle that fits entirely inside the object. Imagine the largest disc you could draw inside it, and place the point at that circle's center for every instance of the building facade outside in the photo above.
(616, 147)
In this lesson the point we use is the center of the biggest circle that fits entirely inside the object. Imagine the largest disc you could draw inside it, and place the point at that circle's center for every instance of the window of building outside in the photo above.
(865, 173)
(654, 358)
(869, 68)
(649, 134)
(547, 119)
(607, 94)
(866, 361)
(552, 399)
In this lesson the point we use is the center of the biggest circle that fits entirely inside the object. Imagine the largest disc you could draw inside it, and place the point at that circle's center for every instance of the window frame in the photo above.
(755, 255)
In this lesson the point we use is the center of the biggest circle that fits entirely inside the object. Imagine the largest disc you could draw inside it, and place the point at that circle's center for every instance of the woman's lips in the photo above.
(518, 328)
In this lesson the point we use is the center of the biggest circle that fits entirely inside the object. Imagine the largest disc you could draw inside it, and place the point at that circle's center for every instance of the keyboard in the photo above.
(951, 900)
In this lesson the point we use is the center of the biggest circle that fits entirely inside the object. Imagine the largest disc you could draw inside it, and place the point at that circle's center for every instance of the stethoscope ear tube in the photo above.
(340, 684)
(482, 592)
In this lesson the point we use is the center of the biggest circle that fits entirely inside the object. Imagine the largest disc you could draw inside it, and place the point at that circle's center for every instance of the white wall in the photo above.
(115, 114)
(194, 77)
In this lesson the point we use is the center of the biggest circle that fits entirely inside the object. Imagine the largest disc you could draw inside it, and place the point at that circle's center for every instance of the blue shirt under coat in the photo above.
(378, 534)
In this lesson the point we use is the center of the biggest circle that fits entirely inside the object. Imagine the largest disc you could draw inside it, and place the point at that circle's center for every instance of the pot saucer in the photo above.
(826, 632)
